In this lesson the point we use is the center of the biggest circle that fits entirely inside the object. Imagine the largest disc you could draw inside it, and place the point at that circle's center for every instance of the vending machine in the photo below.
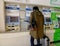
(48, 24)
(28, 13)
(12, 17)
(47, 18)
(56, 25)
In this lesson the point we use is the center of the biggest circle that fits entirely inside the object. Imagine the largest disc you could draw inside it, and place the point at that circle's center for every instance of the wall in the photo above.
(40, 2)
(37, 2)
(2, 21)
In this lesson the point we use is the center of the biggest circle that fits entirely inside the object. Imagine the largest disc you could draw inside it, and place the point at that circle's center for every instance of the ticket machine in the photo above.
(12, 17)
(12, 23)
(47, 22)
(47, 18)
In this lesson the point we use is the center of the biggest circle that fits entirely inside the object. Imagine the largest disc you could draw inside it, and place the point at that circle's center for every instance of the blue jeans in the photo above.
(32, 41)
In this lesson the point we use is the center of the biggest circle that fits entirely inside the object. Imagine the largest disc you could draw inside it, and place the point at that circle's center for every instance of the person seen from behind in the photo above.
(37, 22)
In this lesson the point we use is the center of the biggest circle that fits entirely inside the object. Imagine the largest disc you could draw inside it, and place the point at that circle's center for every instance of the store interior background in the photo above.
(15, 33)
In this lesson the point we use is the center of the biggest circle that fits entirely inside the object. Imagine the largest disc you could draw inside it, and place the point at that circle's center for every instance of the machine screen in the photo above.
(48, 19)
(59, 21)
(13, 19)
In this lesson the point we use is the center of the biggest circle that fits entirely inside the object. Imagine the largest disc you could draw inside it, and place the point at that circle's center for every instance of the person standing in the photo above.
(38, 29)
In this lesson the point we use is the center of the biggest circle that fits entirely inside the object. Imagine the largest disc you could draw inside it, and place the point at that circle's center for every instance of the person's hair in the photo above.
(35, 8)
